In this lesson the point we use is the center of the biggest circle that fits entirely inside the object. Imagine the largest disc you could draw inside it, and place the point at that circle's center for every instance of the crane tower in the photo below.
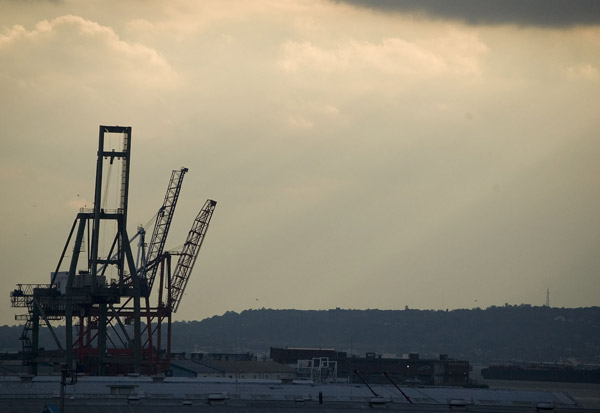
(99, 294)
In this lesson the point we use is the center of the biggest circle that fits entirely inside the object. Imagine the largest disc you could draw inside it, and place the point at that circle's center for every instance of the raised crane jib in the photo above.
(164, 217)
(189, 253)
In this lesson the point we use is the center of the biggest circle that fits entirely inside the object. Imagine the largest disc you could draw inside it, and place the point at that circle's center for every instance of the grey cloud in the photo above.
(551, 13)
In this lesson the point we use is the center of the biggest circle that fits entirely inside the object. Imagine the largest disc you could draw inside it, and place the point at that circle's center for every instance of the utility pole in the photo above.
(64, 373)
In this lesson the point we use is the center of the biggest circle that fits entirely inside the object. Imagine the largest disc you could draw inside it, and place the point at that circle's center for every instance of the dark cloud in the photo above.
(552, 13)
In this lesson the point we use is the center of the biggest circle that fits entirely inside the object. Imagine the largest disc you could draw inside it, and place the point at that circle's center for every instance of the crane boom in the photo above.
(189, 253)
(161, 229)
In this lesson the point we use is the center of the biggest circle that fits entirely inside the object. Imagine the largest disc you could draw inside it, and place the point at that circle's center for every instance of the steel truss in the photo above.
(104, 334)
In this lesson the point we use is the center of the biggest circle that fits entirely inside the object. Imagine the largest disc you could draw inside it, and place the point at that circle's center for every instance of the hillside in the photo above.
(496, 334)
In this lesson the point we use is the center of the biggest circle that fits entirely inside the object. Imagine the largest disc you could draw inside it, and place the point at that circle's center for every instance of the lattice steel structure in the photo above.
(88, 301)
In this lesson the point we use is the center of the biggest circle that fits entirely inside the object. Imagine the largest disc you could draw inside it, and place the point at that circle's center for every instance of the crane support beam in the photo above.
(189, 253)
(161, 229)
(43, 315)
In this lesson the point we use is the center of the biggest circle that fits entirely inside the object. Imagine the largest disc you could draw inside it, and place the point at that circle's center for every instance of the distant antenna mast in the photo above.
(547, 297)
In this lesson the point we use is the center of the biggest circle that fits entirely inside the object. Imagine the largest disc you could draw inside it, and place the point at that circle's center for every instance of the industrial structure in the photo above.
(113, 316)
(327, 365)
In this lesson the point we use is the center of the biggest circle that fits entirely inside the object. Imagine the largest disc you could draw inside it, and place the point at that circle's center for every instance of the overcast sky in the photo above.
(361, 157)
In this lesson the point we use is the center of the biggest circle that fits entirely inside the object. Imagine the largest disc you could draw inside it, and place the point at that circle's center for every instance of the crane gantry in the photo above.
(101, 311)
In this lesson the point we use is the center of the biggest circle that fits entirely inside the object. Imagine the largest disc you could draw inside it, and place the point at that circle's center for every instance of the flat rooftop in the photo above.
(97, 394)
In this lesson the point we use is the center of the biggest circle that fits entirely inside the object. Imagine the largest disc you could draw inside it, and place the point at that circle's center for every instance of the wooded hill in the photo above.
(496, 334)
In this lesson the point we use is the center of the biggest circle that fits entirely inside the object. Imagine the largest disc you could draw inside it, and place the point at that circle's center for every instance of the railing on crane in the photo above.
(22, 296)
(149, 265)
(189, 253)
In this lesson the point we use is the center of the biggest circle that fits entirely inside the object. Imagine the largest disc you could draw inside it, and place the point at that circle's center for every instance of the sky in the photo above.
(363, 154)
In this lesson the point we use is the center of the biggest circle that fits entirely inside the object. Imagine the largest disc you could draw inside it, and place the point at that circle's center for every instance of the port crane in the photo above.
(97, 304)
(149, 266)
(172, 283)
(189, 254)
